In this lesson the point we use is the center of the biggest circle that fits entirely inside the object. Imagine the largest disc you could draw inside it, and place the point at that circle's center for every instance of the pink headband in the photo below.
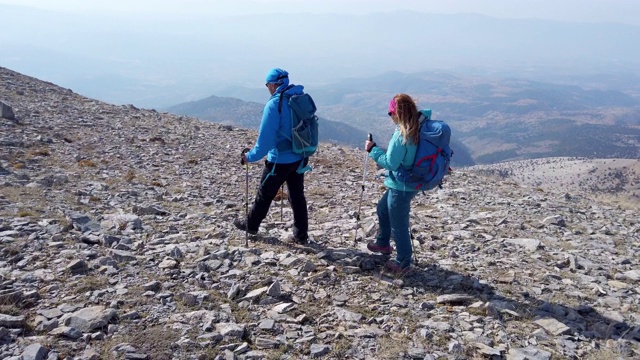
(392, 106)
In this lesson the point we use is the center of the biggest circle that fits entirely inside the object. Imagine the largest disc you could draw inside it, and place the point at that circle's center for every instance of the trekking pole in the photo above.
(246, 198)
(281, 201)
(364, 179)
(415, 257)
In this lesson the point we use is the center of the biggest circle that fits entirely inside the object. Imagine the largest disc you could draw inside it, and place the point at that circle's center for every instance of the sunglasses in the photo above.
(390, 113)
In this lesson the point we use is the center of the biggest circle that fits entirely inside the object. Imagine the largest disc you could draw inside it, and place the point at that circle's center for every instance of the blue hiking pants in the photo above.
(393, 217)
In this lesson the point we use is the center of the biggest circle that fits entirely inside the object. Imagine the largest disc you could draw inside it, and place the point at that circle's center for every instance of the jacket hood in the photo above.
(289, 90)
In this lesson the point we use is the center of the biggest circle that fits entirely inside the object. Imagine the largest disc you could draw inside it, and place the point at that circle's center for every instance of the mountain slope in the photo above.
(612, 180)
(117, 243)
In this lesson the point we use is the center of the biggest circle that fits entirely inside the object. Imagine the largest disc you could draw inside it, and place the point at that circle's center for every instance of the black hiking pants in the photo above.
(269, 185)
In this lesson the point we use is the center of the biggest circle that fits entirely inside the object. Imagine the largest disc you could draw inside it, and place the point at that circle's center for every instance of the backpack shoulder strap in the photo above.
(281, 95)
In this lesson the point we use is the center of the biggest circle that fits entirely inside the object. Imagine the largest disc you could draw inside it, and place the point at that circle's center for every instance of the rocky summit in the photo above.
(117, 242)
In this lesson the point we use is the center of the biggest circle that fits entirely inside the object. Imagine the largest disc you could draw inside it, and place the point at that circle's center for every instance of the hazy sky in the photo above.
(623, 11)
(162, 52)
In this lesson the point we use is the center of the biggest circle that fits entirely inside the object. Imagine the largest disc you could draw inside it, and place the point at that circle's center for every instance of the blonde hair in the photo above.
(406, 116)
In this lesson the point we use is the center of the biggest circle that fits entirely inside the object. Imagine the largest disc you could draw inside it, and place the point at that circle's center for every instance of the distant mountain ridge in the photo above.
(246, 114)
(495, 119)
(500, 119)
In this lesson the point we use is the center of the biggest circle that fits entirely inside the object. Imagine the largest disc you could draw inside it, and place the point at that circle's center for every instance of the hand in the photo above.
(244, 160)
(368, 145)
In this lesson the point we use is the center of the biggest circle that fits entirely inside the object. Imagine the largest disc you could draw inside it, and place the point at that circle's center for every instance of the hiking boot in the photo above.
(372, 246)
(298, 239)
(394, 268)
(242, 225)
(301, 240)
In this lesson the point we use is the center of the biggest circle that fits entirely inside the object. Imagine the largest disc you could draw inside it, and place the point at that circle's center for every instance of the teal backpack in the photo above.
(303, 139)
(433, 155)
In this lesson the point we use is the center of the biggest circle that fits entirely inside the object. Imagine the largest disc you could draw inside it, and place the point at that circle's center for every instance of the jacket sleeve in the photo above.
(268, 132)
(391, 159)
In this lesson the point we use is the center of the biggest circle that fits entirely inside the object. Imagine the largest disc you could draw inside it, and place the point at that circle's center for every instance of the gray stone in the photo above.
(91, 318)
(553, 326)
(319, 350)
(528, 353)
(66, 331)
(528, 244)
(274, 289)
(231, 330)
(35, 352)
(6, 111)
(454, 299)
(11, 321)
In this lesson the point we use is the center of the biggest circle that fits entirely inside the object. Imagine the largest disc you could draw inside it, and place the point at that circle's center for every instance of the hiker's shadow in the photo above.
(311, 248)
(581, 323)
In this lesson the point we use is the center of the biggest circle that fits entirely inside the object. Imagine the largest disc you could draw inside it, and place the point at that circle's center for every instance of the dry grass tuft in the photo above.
(39, 152)
(340, 348)
(25, 213)
(155, 341)
(86, 163)
(90, 283)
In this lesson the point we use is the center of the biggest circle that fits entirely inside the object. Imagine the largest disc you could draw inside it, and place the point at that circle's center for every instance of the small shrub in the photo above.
(157, 139)
(86, 163)
(90, 283)
(129, 176)
(340, 348)
(280, 195)
(11, 251)
(9, 310)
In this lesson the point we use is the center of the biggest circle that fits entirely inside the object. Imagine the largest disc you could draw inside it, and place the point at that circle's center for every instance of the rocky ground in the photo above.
(116, 243)
(614, 181)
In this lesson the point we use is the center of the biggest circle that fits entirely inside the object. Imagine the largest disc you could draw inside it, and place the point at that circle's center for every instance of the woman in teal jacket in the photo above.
(393, 208)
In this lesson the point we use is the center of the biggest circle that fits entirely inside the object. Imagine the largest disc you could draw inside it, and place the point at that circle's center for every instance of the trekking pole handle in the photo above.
(244, 151)
(369, 140)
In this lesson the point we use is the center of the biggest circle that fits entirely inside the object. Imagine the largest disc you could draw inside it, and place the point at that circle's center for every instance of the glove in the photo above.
(371, 148)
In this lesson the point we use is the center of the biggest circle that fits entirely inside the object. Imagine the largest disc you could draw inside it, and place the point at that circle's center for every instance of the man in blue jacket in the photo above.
(282, 164)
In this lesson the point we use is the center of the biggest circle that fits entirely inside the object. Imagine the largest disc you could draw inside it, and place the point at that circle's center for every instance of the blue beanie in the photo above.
(278, 76)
